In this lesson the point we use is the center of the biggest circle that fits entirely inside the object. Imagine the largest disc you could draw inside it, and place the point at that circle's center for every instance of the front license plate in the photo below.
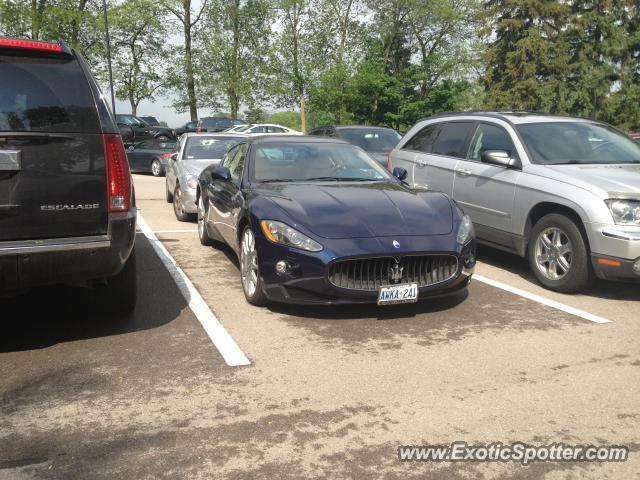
(394, 294)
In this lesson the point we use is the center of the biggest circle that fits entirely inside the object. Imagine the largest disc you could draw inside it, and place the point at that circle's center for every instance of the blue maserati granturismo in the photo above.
(317, 221)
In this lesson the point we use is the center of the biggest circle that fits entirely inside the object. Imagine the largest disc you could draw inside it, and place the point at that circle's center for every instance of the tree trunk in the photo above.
(35, 20)
(303, 115)
(188, 61)
(234, 100)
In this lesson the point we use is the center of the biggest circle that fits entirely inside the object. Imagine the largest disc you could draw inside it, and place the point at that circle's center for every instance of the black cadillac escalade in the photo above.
(67, 208)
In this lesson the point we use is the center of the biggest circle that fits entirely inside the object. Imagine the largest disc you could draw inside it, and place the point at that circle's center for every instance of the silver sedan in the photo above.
(194, 152)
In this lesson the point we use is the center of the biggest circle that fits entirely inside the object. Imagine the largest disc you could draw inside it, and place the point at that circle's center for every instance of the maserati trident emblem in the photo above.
(396, 273)
(396, 244)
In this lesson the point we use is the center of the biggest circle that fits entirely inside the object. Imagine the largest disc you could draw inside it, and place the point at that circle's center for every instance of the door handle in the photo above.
(463, 172)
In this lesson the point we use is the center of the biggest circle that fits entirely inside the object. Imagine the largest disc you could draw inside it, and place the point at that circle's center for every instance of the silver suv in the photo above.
(564, 192)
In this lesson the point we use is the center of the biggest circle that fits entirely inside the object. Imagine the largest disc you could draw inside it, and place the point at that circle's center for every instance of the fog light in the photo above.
(636, 267)
(282, 267)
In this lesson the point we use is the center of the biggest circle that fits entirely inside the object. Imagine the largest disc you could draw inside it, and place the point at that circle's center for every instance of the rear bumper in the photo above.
(34, 263)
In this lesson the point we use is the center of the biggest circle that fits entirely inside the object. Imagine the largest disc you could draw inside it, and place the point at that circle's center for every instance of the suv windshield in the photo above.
(556, 143)
(288, 162)
(201, 147)
(379, 140)
(45, 95)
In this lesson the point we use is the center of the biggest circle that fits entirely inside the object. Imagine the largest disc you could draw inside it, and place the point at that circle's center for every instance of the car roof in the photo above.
(294, 139)
(214, 134)
(514, 117)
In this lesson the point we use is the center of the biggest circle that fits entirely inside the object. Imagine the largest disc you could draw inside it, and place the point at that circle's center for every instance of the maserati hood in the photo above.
(362, 210)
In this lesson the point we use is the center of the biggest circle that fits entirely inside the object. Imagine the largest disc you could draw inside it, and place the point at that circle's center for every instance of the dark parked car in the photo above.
(152, 121)
(317, 221)
(150, 156)
(188, 127)
(215, 124)
(67, 210)
(376, 141)
(141, 130)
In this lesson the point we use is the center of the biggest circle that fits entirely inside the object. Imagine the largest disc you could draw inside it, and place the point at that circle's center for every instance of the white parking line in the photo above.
(225, 344)
(192, 230)
(545, 301)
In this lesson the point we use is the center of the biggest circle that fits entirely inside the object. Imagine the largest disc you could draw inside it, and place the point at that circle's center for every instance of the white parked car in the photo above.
(264, 129)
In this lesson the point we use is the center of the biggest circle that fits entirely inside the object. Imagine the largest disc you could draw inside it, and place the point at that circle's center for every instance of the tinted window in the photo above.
(319, 132)
(203, 147)
(45, 94)
(578, 142)
(423, 140)
(236, 163)
(490, 137)
(275, 130)
(208, 122)
(371, 139)
(452, 139)
(259, 130)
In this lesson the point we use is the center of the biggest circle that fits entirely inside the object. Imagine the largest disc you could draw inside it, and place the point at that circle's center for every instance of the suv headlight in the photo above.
(192, 182)
(624, 212)
(283, 234)
(465, 231)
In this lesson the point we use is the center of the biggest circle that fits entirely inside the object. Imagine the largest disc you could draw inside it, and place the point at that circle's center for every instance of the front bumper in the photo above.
(615, 250)
(75, 260)
(307, 281)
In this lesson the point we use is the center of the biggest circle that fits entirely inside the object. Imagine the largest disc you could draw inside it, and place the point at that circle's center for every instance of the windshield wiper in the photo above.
(276, 180)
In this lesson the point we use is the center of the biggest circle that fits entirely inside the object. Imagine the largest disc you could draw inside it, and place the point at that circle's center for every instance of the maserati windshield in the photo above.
(296, 162)
(557, 143)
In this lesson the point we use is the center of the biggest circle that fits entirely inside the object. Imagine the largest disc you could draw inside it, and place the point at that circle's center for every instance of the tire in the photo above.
(559, 256)
(156, 168)
(169, 195)
(181, 215)
(204, 237)
(119, 295)
(249, 261)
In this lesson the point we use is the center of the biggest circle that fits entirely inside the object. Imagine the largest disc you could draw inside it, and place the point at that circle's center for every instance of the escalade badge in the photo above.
(60, 207)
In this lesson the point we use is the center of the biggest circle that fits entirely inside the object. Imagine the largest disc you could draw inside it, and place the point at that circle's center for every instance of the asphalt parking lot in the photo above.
(328, 393)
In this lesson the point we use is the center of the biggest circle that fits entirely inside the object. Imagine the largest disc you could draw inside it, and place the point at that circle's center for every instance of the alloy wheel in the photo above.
(249, 263)
(201, 217)
(553, 253)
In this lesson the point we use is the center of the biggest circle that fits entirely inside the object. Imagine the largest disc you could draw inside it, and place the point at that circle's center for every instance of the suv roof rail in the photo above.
(502, 114)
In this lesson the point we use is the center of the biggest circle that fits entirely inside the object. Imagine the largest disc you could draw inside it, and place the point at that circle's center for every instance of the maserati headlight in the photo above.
(624, 212)
(192, 182)
(283, 234)
(465, 231)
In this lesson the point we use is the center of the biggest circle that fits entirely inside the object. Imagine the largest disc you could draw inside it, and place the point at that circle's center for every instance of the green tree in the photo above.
(287, 119)
(234, 52)
(182, 10)
(138, 38)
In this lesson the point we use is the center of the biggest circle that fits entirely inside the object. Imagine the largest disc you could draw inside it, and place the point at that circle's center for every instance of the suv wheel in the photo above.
(249, 270)
(156, 168)
(178, 207)
(119, 295)
(558, 254)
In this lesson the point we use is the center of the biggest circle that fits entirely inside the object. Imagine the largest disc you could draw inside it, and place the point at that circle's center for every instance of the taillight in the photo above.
(389, 159)
(165, 155)
(30, 45)
(199, 130)
(118, 174)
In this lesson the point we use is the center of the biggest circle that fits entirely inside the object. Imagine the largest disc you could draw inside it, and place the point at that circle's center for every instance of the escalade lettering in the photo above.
(55, 208)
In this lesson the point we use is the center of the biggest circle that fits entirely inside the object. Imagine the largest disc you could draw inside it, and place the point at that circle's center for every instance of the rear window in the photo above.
(376, 140)
(45, 95)
(207, 148)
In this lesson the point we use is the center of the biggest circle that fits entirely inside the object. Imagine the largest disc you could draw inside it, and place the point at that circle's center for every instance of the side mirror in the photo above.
(132, 148)
(400, 173)
(499, 157)
(221, 173)
(174, 156)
